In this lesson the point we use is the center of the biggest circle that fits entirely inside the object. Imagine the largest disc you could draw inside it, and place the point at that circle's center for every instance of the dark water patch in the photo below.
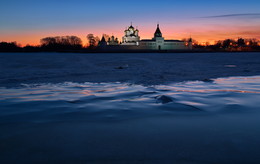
(208, 80)
(76, 102)
(164, 99)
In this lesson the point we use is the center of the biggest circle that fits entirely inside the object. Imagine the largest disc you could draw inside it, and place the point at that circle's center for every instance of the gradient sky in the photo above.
(27, 21)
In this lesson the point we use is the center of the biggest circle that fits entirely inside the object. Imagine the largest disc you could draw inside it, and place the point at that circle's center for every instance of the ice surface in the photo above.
(146, 69)
(162, 108)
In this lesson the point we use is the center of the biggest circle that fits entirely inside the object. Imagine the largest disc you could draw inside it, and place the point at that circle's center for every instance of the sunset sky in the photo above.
(27, 21)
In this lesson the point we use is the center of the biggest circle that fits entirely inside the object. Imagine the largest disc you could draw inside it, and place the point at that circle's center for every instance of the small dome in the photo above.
(131, 27)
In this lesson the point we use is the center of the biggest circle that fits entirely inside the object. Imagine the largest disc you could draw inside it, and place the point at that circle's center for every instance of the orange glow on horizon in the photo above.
(203, 35)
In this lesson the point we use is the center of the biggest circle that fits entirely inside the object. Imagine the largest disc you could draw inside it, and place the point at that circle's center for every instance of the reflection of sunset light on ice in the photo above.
(239, 85)
(73, 91)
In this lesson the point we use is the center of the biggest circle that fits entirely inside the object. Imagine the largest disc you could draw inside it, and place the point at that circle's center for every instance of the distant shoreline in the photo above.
(129, 51)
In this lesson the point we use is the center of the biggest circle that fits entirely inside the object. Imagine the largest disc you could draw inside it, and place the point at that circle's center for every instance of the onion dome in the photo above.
(131, 27)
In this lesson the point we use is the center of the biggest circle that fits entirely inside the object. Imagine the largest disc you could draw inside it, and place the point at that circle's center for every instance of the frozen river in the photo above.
(130, 109)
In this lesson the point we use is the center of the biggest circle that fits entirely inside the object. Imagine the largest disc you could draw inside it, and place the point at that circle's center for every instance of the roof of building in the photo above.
(148, 40)
(158, 32)
(103, 39)
(173, 41)
(131, 27)
(151, 40)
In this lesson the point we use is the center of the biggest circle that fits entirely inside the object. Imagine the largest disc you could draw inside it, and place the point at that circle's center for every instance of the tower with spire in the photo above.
(158, 32)
(158, 38)
(103, 43)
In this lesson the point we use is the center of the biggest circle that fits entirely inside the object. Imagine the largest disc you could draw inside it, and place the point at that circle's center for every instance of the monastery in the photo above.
(131, 40)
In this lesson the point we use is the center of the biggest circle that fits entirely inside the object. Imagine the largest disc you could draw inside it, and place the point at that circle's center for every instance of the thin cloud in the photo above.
(247, 15)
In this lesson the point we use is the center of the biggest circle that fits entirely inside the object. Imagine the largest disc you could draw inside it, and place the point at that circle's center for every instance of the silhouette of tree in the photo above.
(252, 42)
(241, 42)
(217, 46)
(92, 40)
(29, 48)
(9, 47)
(195, 42)
(74, 40)
(228, 43)
(61, 43)
(97, 39)
(106, 37)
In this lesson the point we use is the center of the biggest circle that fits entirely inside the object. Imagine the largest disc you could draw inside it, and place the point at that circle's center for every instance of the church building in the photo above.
(131, 37)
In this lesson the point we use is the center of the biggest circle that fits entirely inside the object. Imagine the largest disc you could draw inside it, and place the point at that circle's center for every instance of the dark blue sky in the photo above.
(33, 19)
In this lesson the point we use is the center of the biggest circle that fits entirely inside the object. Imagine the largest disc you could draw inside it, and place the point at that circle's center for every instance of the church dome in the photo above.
(131, 27)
